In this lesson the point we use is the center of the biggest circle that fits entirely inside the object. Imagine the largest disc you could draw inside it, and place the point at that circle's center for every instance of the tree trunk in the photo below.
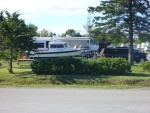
(10, 63)
(130, 56)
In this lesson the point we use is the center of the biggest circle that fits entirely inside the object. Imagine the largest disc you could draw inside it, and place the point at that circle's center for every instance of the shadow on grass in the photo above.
(93, 79)
(79, 79)
(64, 80)
(138, 75)
(25, 67)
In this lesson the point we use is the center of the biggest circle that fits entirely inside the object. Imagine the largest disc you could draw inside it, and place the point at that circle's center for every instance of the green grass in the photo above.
(23, 77)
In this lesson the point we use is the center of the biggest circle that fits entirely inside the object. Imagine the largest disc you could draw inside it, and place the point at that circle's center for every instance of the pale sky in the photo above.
(54, 15)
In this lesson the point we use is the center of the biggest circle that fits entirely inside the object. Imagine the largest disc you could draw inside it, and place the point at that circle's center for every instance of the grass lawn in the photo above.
(23, 77)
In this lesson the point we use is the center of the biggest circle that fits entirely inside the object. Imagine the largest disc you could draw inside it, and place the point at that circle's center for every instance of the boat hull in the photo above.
(49, 55)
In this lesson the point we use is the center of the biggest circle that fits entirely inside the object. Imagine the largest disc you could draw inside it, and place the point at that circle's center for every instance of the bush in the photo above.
(111, 66)
(145, 66)
(71, 65)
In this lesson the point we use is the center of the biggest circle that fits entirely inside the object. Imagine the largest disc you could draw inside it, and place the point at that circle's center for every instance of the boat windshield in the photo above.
(53, 46)
(60, 46)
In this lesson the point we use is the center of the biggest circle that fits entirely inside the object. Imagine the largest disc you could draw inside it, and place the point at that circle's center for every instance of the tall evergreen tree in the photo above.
(129, 17)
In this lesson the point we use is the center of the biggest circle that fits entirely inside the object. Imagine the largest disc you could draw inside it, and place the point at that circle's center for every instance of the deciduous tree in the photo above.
(72, 32)
(15, 35)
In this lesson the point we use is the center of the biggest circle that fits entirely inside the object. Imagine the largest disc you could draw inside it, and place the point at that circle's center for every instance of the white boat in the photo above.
(56, 48)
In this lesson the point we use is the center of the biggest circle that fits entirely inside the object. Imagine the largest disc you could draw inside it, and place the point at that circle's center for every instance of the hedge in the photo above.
(73, 65)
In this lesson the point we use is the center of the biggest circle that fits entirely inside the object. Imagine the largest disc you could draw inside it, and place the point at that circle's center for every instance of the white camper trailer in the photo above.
(87, 43)
(82, 42)
(42, 43)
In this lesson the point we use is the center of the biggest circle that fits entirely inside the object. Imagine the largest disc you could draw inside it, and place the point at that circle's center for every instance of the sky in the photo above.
(53, 15)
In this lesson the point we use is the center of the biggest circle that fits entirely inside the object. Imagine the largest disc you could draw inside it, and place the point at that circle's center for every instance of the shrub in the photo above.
(145, 66)
(71, 65)
(111, 66)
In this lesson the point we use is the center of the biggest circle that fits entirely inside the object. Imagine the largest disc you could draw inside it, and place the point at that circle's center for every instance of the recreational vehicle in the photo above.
(86, 43)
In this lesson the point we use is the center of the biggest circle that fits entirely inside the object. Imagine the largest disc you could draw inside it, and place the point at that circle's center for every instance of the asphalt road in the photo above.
(69, 100)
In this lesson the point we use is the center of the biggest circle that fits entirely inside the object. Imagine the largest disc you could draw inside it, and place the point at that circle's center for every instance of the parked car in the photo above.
(123, 52)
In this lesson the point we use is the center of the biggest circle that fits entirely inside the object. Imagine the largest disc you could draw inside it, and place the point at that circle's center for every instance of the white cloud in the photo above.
(33, 10)
(48, 7)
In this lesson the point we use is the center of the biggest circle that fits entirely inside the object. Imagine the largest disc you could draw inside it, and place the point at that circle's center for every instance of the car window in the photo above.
(122, 51)
(136, 51)
(115, 51)
(109, 51)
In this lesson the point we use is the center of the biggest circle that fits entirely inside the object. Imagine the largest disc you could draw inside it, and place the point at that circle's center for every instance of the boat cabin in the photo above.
(57, 46)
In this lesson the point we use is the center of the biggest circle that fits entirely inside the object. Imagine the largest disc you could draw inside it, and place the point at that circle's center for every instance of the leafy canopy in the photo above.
(15, 36)
(72, 32)
(14, 33)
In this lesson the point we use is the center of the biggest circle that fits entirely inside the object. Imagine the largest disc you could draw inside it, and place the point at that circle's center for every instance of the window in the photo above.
(93, 41)
(53, 46)
(39, 45)
(60, 46)
(122, 51)
(110, 51)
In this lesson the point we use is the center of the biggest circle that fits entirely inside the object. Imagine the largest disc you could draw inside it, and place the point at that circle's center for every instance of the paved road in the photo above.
(55, 100)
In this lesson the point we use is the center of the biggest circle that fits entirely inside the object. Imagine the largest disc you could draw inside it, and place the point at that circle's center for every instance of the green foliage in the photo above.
(143, 37)
(72, 32)
(33, 29)
(145, 66)
(111, 66)
(115, 15)
(15, 36)
(80, 66)
(45, 33)
(5, 54)
(122, 18)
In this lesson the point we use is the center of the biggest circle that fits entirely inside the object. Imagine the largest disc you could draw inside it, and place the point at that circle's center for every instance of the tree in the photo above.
(143, 37)
(105, 38)
(111, 37)
(45, 33)
(129, 17)
(72, 32)
(15, 35)
(33, 29)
